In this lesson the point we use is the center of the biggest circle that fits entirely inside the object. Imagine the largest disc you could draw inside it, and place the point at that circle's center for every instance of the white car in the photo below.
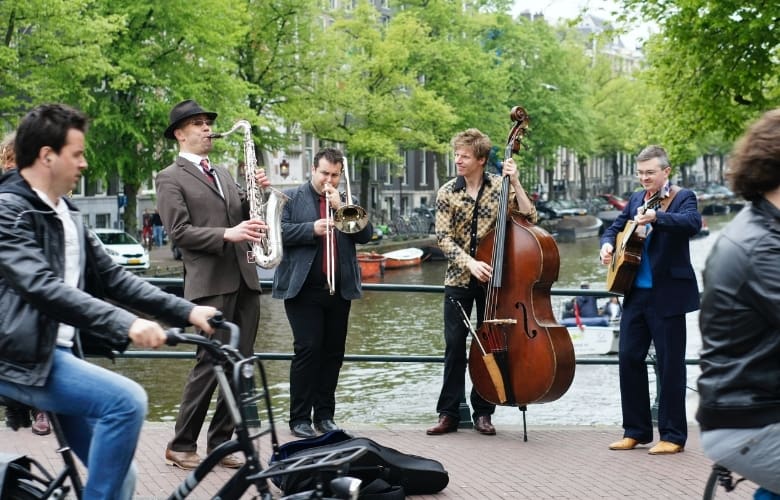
(123, 248)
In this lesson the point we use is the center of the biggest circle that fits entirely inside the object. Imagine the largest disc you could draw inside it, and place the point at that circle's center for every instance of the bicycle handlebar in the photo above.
(175, 336)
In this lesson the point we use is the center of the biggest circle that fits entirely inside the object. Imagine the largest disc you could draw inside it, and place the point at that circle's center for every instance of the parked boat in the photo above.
(433, 253)
(594, 340)
(578, 226)
(598, 335)
(372, 264)
(405, 257)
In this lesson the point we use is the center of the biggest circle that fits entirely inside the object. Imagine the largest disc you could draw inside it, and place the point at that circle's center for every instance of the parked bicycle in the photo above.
(721, 484)
(245, 390)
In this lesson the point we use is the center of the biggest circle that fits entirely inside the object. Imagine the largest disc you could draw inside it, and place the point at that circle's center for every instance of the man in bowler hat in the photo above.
(207, 218)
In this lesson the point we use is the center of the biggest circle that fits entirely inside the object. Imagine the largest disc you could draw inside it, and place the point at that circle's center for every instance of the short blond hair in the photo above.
(7, 154)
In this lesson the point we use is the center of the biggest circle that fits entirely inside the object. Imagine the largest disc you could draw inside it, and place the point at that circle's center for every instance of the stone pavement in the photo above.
(556, 462)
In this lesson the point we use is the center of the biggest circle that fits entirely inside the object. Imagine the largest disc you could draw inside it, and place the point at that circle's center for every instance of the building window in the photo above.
(102, 220)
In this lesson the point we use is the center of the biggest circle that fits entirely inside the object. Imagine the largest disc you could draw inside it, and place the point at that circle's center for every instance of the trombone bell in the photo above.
(350, 219)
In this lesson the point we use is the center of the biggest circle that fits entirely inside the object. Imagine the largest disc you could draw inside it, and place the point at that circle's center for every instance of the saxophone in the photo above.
(264, 203)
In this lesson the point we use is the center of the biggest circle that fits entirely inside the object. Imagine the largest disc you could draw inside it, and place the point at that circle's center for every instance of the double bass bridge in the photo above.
(508, 321)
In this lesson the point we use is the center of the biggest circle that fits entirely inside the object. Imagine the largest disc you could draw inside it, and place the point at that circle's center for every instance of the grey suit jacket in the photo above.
(195, 217)
(301, 245)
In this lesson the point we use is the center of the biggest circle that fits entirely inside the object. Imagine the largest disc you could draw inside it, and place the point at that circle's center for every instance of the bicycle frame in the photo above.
(38, 481)
(247, 397)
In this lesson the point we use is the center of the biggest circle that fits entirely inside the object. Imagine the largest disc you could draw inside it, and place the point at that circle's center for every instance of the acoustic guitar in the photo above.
(628, 250)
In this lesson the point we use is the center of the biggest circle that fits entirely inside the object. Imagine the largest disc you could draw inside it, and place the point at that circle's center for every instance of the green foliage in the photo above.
(365, 97)
(715, 64)
(50, 51)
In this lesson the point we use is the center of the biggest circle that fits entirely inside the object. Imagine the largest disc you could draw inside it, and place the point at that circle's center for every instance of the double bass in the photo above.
(520, 354)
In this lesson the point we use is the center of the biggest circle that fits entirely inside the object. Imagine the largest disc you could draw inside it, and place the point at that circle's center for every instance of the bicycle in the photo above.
(721, 480)
(244, 386)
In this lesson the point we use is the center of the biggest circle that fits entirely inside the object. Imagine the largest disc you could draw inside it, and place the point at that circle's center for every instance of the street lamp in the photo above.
(284, 168)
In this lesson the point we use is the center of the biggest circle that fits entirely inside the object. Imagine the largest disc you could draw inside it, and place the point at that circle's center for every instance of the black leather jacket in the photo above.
(34, 299)
(739, 386)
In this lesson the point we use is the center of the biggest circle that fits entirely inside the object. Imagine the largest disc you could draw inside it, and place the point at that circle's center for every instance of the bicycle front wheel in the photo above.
(721, 484)
(22, 489)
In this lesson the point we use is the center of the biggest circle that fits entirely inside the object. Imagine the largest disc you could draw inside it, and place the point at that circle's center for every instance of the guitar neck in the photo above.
(652, 203)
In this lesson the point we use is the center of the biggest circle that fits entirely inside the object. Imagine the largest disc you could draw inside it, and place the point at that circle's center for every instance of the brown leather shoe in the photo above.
(483, 426)
(232, 461)
(186, 460)
(625, 444)
(666, 448)
(41, 425)
(446, 424)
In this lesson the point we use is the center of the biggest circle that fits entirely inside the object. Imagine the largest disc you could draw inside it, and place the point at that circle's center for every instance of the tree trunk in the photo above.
(615, 174)
(131, 221)
(365, 177)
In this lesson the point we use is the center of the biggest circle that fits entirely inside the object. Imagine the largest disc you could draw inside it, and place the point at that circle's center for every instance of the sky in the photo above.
(554, 10)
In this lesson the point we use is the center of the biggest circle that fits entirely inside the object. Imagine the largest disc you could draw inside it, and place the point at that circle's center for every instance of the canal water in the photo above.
(400, 323)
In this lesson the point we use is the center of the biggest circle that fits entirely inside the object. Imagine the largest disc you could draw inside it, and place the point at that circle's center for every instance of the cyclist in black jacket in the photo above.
(54, 276)
(739, 385)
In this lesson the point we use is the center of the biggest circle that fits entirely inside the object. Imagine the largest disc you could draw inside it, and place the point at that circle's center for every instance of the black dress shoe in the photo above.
(326, 425)
(303, 430)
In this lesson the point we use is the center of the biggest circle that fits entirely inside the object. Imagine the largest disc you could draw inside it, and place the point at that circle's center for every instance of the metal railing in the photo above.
(176, 286)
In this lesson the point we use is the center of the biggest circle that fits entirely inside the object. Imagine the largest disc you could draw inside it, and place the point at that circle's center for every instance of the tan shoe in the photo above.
(666, 448)
(624, 444)
(186, 460)
(232, 461)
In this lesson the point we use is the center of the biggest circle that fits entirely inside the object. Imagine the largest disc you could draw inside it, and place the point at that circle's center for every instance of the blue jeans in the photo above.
(101, 413)
(157, 233)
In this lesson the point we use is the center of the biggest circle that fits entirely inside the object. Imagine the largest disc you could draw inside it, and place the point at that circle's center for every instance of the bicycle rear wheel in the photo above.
(721, 484)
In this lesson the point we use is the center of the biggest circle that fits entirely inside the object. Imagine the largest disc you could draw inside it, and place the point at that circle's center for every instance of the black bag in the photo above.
(415, 475)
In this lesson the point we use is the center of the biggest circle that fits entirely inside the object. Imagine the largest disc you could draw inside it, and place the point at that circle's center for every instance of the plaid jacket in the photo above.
(454, 210)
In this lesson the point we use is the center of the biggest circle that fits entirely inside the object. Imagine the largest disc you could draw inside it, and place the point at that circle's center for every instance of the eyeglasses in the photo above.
(200, 122)
(646, 173)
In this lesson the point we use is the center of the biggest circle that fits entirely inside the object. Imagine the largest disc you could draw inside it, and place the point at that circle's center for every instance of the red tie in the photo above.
(333, 249)
(204, 163)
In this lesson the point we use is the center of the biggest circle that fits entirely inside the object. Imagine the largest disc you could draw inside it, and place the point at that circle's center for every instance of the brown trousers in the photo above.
(243, 309)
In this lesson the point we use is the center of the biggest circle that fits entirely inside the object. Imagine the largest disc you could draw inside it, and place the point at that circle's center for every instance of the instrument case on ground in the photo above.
(414, 475)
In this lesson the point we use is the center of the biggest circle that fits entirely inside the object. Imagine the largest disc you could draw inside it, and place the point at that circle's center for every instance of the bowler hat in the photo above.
(182, 111)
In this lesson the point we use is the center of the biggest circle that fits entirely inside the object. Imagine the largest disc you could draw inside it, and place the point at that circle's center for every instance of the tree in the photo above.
(49, 50)
(714, 63)
(458, 65)
(166, 52)
(274, 58)
(544, 69)
(366, 98)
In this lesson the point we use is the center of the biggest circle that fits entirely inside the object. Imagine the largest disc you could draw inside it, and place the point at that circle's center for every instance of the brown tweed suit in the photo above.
(216, 273)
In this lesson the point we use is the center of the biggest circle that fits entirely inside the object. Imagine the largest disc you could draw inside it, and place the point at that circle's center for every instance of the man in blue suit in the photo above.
(654, 307)
(317, 298)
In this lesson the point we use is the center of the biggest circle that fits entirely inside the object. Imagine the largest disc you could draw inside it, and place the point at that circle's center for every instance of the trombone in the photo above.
(349, 219)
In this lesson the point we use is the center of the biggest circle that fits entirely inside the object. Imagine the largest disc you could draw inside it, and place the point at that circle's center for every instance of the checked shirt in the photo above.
(454, 212)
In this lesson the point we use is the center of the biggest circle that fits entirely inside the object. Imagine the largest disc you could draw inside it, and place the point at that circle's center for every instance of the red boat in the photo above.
(405, 257)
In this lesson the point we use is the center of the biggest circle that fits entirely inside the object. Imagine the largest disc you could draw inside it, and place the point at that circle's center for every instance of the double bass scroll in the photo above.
(533, 352)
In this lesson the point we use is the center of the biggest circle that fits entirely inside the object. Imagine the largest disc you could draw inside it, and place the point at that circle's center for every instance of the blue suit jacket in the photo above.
(301, 245)
(675, 290)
